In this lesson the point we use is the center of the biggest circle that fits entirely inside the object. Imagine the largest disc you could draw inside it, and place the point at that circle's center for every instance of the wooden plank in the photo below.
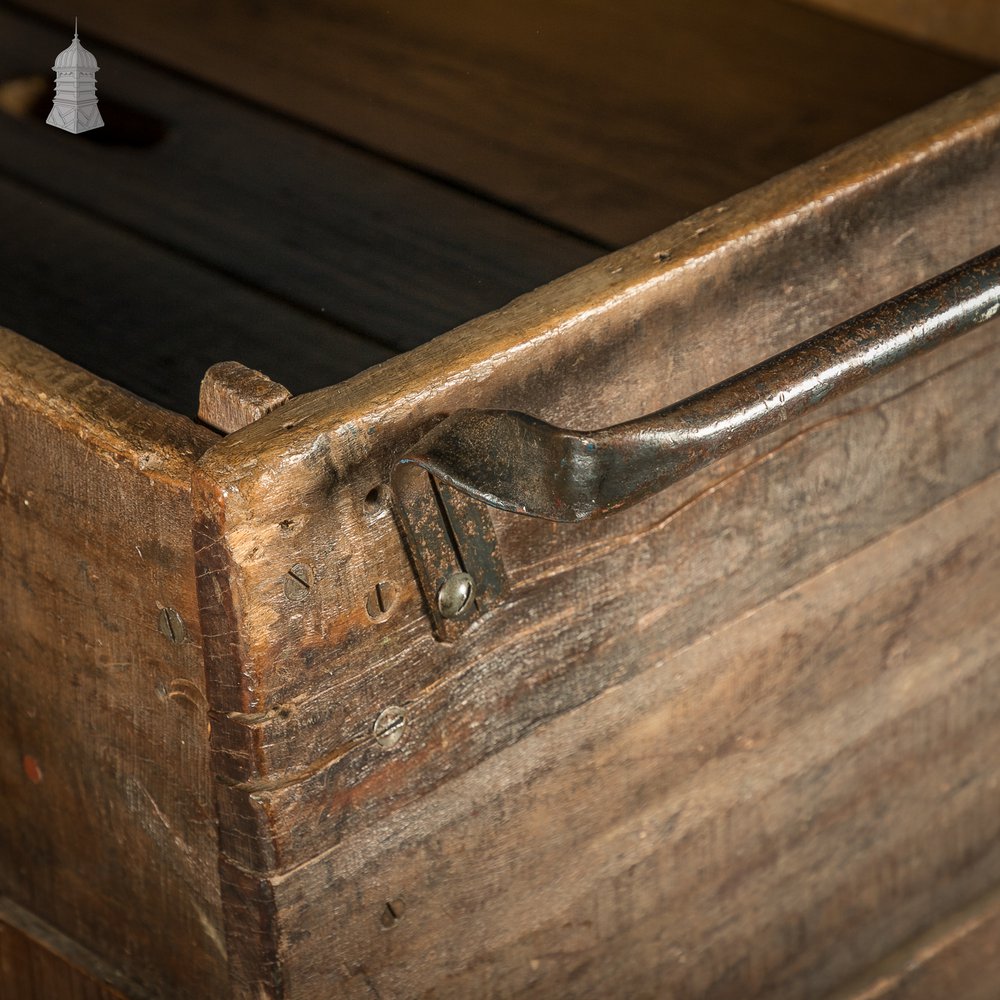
(296, 686)
(39, 963)
(960, 957)
(108, 829)
(335, 231)
(969, 27)
(146, 318)
(612, 120)
(755, 816)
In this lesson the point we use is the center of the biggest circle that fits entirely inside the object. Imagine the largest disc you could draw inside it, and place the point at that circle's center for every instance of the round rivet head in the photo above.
(389, 726)
(456, 595)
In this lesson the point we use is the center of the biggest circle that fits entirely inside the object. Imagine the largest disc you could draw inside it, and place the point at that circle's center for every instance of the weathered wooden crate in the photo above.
(738, 740)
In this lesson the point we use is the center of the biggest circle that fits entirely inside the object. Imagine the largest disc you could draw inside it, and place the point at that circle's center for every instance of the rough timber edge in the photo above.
(551, 319)
(161, 444)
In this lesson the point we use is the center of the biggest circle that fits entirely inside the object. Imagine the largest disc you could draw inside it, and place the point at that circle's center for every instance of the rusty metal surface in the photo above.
(517, 462)
(448, 535)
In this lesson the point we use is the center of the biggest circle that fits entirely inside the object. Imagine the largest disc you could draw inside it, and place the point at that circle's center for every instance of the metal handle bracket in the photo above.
(515, 462)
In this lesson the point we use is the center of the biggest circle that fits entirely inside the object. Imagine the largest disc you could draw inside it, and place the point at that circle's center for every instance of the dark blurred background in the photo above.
(311, 187)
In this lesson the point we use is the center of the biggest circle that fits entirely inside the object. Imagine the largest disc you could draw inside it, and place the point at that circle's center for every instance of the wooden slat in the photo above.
(970, 27)
(38, 963)
(960, 957)
(307, 791)
(107, 830)
(344, 235)
(611, 119)
(147, 318)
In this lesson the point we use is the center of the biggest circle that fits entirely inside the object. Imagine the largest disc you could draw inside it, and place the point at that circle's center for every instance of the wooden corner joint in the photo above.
(233, 396)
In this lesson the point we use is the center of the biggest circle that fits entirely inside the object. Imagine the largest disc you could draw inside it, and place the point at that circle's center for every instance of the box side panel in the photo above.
(490, 839)
(761, 814)
(107, 829)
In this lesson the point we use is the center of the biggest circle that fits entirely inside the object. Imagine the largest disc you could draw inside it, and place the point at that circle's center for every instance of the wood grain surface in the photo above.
(969, 27)
(39, 963)
(107, 829)
(233, 396)
(877, 508)
(340, 234)
(610, 119)
(702, 740)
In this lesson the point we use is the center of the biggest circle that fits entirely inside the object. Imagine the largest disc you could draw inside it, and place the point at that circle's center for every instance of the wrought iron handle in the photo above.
(516, 462)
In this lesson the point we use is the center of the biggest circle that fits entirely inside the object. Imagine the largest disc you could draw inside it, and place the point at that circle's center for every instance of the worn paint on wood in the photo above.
(108, 828)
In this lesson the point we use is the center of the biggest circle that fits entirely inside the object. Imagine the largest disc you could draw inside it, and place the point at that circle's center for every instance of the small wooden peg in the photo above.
(233, 396)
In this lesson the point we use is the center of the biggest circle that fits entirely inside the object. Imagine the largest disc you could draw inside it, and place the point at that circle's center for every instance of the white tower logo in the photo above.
(75, 104)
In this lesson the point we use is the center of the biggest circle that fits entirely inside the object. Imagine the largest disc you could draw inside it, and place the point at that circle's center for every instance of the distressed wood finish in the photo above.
(818, 771)
(107, 829)
(736, 742)
(323, 828)
(612, 120)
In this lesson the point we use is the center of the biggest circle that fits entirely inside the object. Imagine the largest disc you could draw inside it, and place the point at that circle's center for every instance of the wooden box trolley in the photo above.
(638, 637)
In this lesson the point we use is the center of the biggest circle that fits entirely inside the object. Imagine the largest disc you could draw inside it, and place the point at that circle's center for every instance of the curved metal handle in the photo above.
(516, 462)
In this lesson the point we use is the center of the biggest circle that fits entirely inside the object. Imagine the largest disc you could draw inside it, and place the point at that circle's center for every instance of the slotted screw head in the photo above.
(172, 625)
(456, 594)
(389, 726)
(298, 581)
